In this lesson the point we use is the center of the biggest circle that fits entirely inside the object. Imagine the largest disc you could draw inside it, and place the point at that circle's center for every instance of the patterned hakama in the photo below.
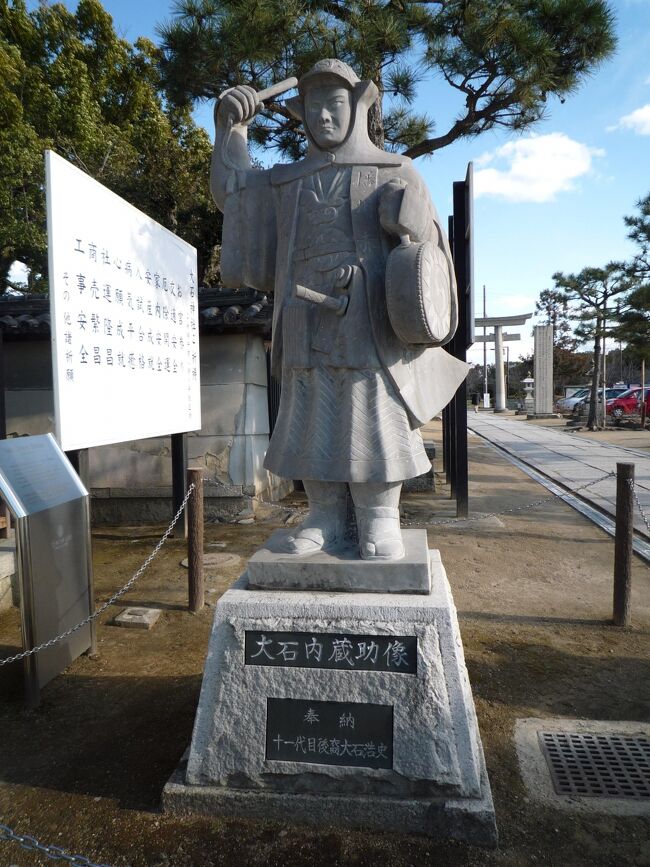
(343, 425)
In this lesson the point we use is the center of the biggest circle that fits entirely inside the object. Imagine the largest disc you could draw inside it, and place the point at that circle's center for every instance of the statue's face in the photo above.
(328, 111)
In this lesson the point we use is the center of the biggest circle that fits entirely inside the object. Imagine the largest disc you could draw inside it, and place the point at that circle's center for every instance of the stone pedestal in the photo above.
(338, 708)
(270, 569)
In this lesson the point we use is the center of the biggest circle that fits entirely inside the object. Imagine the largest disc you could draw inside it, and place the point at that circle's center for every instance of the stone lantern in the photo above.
(529, 401)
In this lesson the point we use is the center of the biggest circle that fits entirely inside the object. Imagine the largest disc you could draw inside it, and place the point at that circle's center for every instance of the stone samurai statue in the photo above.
(350, 244)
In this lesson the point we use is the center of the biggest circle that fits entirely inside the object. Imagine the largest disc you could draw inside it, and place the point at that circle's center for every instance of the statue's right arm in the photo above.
(234, 111)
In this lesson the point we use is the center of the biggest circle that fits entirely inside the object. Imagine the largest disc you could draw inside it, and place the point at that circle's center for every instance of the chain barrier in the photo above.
(549, 498)
(293, 511)
(644, 517)
(55, 853)
(112, 599)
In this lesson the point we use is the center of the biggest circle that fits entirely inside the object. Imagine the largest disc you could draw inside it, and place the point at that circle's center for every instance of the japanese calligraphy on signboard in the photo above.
(124, 316)
(396, 653)
(329, 732)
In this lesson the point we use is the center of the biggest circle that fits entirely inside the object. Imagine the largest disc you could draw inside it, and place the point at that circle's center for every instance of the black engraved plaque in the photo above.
(329, 732)
(343, 651)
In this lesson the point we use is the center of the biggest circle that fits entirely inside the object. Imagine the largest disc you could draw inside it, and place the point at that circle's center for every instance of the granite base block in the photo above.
(469, 821)
(424, 773)
(271, 569)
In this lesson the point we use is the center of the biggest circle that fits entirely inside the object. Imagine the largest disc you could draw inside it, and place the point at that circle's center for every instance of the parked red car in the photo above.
(628, 403)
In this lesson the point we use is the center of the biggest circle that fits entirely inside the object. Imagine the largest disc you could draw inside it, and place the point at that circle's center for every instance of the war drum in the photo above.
(418, 293)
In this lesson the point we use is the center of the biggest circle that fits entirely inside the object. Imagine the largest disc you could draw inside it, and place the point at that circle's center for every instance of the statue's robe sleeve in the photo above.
(425, 377)
(249, 236)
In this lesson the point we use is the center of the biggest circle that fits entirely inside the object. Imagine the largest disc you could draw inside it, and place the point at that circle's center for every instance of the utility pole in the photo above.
(485, 378)
(605, 365)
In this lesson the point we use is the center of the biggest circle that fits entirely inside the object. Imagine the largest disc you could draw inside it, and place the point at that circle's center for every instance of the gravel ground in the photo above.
(85, 770)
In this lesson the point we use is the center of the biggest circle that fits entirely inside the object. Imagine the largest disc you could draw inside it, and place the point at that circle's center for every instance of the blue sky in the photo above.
(552, 199)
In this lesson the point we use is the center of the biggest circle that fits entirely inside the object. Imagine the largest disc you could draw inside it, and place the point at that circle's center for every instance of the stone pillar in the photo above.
(500, 384)
(543, 405)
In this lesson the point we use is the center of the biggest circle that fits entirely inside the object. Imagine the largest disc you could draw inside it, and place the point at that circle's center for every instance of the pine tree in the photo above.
(589, 295)
(505, 59)
(67, 82)
(634, 315)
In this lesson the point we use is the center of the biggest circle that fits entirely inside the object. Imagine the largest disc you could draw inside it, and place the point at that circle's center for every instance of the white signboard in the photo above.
(124, 317)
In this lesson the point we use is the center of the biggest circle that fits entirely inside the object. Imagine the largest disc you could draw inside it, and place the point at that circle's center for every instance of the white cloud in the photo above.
(535, 168)
(638, 120)
(18, 273)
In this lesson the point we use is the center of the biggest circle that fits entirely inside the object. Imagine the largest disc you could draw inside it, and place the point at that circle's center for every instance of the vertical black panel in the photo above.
(445, 442)
(272, 393)
(461, 245)
(3, 410)
(4, 511)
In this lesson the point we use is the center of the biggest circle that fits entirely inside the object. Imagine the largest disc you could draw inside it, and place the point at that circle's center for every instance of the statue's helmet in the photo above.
(332, 71)
(328, 71)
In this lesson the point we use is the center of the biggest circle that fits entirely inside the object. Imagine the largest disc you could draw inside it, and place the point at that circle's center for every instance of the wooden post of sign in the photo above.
(195, 541)
(623, 544)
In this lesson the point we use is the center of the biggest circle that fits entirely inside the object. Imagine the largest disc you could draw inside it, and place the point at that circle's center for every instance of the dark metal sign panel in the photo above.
(329, 733)
(396, 653)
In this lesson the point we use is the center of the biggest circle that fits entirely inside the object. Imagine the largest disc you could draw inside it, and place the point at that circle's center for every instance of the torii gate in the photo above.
(498, 338)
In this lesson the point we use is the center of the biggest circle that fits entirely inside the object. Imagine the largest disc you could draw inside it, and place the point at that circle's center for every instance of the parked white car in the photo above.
(566, 404)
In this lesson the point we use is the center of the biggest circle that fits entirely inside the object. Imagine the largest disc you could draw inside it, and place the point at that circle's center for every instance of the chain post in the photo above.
(623, 544)
(196, 583)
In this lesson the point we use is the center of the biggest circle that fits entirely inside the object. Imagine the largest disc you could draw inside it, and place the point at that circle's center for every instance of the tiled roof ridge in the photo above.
(220, 310)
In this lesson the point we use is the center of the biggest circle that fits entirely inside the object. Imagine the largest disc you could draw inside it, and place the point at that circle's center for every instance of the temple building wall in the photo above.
(131, 481)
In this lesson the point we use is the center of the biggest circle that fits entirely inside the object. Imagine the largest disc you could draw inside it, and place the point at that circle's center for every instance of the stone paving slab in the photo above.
(568, 461)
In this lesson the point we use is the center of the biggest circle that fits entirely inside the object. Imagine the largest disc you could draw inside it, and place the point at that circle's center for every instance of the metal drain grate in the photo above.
(598, 765)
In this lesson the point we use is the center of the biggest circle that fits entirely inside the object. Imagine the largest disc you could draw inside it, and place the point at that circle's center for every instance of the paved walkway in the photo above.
(567, 459)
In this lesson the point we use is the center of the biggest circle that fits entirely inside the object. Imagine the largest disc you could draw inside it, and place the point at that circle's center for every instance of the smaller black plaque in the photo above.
(329, 732)
(343, 651)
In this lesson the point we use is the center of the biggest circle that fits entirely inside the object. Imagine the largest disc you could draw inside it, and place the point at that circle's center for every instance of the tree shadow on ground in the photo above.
(11, 674)
(112, 737)
(550, 681)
